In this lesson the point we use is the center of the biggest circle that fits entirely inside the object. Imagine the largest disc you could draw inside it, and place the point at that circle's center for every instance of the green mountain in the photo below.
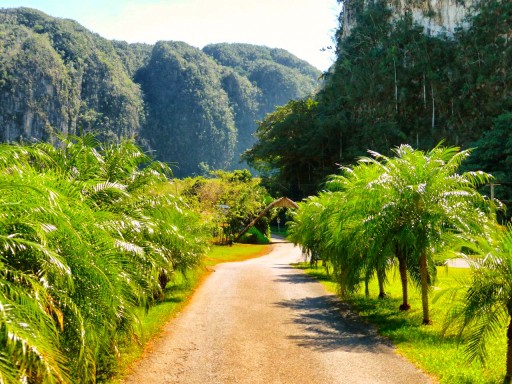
(188, 106)
(271, 76)
(57, 77)
(188, 112)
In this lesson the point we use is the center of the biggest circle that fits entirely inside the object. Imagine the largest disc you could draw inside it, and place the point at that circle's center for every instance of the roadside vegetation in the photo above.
(91, 240)
(228, 201)
(399, 218)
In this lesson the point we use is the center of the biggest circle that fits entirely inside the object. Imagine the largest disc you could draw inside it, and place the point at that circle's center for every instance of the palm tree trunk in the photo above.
(508, 376)
(381, 277)
(402, 267)
(424, 289)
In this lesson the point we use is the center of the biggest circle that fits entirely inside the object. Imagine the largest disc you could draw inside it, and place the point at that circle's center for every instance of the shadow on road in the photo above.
(328, 324)
(295, 279)
(292, 278)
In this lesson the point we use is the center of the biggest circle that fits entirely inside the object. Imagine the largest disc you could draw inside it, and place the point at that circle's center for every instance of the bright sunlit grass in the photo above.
(442, 357)
(177, 294)
(237, 252)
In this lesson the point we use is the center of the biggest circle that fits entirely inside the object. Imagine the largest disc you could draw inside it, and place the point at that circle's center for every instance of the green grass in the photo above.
(177, 295)
(254, 236)
(442, 357)
(237, 252)
(281, 231)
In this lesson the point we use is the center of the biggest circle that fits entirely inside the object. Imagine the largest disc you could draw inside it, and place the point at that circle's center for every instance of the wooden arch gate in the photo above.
(283, 202)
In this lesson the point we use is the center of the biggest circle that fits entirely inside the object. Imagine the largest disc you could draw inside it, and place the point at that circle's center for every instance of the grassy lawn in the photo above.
(281, 231)
(442, 357)
(237, 252)
(177, 295)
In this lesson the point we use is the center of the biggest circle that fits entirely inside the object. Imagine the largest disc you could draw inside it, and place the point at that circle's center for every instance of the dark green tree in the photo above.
(284, 149)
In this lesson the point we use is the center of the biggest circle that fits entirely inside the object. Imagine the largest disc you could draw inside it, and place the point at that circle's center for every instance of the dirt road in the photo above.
(262, 321)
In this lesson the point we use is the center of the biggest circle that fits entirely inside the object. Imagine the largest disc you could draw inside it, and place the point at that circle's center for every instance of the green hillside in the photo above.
(186, 106)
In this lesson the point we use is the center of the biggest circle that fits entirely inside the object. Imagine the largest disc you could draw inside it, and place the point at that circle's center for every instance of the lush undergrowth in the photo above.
(254, 236)
(442, 357)
(87, 242)
(177, 294)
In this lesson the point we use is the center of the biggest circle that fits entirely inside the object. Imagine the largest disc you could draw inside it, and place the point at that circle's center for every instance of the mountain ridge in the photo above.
(57, 77)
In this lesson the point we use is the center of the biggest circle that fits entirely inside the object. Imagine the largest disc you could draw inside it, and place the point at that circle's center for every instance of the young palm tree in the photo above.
(30, 316)
(82, 241)
(352, 225)
(407, 207)
(425, 201)
(306, 228)
(333, 227)
(485, 305)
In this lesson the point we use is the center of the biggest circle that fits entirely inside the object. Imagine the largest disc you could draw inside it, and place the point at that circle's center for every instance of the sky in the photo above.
(303, 27)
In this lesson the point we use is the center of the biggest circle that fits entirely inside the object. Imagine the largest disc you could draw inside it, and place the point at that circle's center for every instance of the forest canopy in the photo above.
(392, 83)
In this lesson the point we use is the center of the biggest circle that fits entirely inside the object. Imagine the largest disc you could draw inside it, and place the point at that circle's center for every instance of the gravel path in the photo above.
(262, 321)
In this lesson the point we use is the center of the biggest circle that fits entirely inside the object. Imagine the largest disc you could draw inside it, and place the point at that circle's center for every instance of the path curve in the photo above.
(262, 321)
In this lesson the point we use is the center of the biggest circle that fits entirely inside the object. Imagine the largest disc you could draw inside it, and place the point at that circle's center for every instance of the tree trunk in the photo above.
(424, 92)
(381, 277)
(433, 107)
(402, 267)
(424, 289)
(396, 87)
(508, 376)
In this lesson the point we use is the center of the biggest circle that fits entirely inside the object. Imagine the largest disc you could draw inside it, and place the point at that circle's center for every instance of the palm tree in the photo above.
(356, 256)
(407, 207)
(485, 304)
(30, 316)
(425, 201)
(83, 238)
(306, 229)
(333, 227)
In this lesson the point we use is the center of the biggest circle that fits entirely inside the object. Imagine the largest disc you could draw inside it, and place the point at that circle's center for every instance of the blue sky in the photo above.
(302, 27)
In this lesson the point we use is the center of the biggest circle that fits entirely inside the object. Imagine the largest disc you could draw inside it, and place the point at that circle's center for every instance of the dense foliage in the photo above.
(229, 201)
(189, 117)
(391, 84)
(86, 238)
(284, 138)
(186, 105)
(406, 208)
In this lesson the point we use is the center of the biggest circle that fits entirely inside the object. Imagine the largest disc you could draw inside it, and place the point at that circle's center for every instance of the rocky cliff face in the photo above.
(436, 16)
(58, 78)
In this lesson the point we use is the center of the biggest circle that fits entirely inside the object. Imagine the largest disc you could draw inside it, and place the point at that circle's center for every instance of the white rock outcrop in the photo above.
(436, 16)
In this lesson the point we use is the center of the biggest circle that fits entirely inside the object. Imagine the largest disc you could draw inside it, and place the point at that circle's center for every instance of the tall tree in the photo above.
(421, 190)
(285, 138)
(409, 206)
